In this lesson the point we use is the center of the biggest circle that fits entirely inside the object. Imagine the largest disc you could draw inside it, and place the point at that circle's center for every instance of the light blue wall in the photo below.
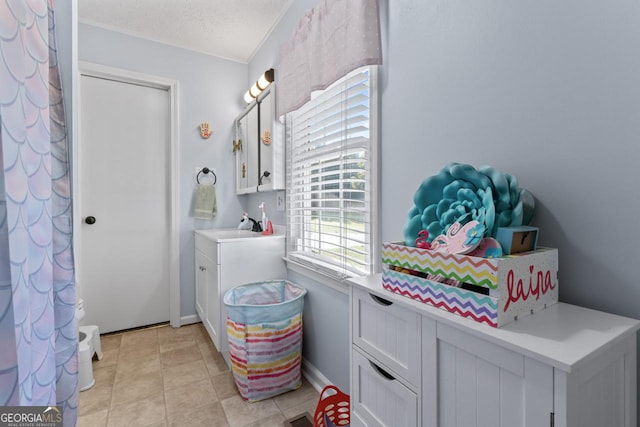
(547, 91)
(210, 89)
(325, 342)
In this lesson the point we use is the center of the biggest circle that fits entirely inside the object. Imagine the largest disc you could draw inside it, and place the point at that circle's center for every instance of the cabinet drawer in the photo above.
(207, 246)
(388, 332)
(378, 398)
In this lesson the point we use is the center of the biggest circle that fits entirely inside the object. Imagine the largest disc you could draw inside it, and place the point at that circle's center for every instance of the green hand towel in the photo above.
(205, 206)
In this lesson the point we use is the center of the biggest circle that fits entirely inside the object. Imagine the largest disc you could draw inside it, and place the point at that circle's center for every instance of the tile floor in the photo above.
(175, 377)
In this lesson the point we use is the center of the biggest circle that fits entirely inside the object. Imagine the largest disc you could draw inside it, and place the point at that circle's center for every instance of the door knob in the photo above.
(90, 220)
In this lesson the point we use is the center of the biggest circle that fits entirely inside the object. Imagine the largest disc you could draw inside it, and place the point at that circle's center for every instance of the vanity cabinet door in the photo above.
(253, 157)
(272, 153)
(265, 142)
(214, 323)
(240, 150)
(201, 288)
(208, 295)
(247, 156)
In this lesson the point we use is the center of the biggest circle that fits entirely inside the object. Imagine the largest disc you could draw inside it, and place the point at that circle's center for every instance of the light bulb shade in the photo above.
(255, 90)
(265, 79)
(262, 83)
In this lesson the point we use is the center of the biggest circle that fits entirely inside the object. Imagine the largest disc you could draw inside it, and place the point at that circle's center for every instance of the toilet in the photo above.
(89, 344)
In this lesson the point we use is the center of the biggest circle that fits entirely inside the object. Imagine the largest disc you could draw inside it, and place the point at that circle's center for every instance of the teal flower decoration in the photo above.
(475, 234)
(459, 192)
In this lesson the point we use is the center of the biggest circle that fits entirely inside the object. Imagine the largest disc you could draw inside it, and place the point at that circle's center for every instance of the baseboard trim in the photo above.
(314, 376)
(188, 320)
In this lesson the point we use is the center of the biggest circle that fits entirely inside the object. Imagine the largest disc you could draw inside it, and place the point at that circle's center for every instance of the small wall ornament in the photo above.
(237, 145)
(205, 132)
(266, 137)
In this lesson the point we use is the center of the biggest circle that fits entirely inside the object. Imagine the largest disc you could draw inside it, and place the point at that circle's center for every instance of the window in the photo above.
(332, 178)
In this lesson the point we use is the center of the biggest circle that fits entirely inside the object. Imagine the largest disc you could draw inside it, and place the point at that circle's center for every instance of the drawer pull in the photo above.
(380, 301)
(381, 371)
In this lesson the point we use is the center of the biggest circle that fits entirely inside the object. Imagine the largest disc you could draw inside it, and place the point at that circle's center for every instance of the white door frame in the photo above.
(105, 72)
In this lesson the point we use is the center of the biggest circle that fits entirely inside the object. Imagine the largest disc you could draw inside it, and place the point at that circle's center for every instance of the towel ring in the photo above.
(207, 171)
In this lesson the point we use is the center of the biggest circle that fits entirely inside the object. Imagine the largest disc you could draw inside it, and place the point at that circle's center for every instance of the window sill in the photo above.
(319, 275)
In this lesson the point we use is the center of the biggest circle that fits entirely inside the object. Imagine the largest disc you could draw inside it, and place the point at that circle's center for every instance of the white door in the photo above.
(123, 183)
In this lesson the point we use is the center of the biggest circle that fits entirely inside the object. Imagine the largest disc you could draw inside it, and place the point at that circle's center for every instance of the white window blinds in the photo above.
(332, 178)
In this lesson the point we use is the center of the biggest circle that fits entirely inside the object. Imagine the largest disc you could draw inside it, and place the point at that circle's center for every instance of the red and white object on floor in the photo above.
(332, 409)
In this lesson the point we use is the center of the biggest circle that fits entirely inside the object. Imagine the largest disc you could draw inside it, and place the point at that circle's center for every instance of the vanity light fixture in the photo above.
(265, 79)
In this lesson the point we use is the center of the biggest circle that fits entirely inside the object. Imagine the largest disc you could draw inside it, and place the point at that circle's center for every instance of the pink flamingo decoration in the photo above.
(421, 241)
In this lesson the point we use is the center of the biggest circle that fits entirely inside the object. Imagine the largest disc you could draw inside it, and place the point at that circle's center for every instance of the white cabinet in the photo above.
(385, 362)
(565, 366)
(226, 258)
(260, 161)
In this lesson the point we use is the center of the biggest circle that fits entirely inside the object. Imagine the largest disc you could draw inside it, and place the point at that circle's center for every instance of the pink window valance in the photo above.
(330, 40)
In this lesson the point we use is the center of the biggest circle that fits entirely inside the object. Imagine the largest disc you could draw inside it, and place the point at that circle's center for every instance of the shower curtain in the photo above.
(38, 331)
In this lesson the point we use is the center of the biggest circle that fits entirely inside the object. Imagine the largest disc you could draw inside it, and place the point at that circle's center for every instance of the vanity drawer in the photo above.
(207, 246)
(378, 398)
(388, 332)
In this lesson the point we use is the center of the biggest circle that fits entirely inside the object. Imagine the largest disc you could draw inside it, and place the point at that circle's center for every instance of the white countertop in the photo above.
(229, 234)
(562, 335)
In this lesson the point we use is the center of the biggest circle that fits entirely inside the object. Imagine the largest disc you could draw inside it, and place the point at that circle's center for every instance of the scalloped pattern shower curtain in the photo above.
(38, 331)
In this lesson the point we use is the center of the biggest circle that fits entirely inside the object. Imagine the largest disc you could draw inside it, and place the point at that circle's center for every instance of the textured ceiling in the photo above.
(231, 29)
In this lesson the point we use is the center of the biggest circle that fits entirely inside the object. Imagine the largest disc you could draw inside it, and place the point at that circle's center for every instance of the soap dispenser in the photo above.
(266, 223)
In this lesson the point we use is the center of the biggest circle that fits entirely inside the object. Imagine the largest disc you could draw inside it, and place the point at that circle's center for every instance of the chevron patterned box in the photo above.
(493, 291)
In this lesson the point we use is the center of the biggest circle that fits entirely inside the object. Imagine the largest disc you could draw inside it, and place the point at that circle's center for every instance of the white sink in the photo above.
(232, 233)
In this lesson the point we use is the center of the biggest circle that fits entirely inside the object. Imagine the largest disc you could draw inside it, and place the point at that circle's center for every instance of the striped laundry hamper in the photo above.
(264, 327)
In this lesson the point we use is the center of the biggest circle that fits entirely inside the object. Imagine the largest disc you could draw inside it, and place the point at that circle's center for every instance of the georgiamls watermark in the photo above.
(30, 416)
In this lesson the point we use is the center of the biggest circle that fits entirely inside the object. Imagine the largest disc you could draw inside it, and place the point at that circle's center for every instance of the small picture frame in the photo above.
(515, 240)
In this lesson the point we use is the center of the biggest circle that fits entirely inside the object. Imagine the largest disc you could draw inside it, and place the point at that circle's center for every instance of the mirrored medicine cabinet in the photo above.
(259, 146)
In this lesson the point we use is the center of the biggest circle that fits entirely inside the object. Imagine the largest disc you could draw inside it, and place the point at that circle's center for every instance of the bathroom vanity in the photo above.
(226, 258)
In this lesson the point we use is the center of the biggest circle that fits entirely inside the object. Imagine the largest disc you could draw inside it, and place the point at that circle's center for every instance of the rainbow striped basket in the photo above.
(264, 326)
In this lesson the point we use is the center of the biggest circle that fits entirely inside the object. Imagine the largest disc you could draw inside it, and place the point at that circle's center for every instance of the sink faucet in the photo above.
(256, 225)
